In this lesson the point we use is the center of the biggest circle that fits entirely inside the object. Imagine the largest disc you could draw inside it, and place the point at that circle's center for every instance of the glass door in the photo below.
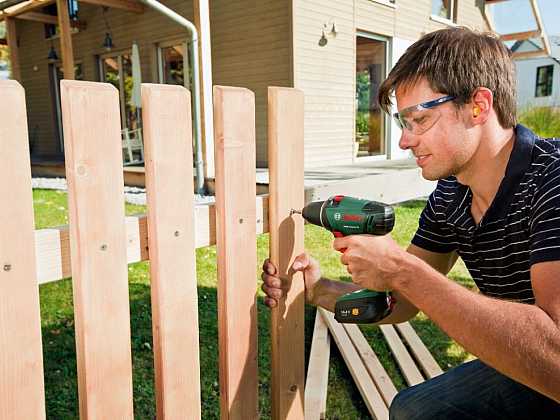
(371, 68)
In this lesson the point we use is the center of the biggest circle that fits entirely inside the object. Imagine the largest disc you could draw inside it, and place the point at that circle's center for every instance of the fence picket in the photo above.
(21, 356)
(234, 132)
(91, 120)
(169, 169)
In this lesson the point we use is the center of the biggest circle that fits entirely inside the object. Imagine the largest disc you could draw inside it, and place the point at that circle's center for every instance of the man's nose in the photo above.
(407, 139)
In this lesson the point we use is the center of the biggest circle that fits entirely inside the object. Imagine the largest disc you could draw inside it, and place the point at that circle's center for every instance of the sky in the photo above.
(517, 16)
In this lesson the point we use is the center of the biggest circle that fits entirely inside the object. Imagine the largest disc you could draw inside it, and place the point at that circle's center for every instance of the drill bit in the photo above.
(294, 211)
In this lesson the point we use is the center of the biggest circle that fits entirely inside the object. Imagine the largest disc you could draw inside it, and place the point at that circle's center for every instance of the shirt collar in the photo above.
(518, 164)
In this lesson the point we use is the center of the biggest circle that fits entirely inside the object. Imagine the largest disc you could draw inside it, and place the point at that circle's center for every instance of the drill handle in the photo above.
(338, 234)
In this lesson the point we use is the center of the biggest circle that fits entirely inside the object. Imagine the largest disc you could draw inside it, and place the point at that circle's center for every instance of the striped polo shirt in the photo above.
(520, 228)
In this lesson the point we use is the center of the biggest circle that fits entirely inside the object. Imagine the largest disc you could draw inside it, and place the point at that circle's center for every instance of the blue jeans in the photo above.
(472, 391)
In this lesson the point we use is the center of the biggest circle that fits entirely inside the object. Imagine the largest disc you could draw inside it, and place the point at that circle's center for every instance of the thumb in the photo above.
(301, 262)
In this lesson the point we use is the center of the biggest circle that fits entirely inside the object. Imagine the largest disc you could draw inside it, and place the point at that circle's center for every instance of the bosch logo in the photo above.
(337, 216)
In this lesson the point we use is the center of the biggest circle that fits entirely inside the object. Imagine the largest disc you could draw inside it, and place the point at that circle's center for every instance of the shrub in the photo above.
(544, 121)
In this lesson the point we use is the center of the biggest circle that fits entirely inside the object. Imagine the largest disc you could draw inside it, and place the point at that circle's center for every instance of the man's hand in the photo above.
(372, 261)
(272, 284)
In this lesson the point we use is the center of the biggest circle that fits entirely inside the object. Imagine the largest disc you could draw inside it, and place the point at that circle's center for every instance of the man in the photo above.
(497, 205)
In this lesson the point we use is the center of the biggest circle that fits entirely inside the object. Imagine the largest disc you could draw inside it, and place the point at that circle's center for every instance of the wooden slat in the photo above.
(21, 357)
(24, 7)
(318, 371)
(11, 38)
(519, 36)
(285, 160)
(168, 146)
(66, 50)
(373, 400)
(53, 245)
(92, 140)
(234, 130)
(540, 26)
(419, 350)
(408, 368)
(528, 54)
(39, 17)
(128, 5)
(373, 365)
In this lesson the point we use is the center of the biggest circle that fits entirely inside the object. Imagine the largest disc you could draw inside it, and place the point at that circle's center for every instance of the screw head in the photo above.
(103, 247)
(7, 267)
(293, 388)
(240, 221)
(177, 233)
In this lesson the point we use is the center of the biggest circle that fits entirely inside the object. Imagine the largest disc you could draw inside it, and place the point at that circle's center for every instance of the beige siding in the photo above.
(251, 47)
(327, 74)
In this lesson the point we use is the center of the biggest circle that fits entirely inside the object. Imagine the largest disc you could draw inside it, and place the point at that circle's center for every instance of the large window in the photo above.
(444, 9)
(544, 81)
(371, 66)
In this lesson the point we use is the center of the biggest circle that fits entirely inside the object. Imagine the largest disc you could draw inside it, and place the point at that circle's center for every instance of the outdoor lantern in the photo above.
(323, 41)
(53, 56)
(108, 42)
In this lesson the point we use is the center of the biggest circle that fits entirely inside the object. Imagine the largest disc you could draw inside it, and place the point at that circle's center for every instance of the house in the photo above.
(336, 51)
(538, 79)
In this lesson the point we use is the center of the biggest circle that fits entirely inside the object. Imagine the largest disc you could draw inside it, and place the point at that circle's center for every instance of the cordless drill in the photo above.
(345, 216)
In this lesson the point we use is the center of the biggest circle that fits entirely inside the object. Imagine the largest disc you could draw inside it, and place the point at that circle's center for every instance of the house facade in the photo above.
(337, 52)
(538, 79)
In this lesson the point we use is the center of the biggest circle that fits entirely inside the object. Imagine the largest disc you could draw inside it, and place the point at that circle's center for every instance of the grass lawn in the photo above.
(344, 401)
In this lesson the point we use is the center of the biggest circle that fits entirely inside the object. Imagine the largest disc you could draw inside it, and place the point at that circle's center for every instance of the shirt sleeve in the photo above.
(544, 225)
(433, 232)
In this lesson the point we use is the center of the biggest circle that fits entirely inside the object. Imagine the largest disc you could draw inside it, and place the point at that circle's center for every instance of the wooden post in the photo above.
(11, 35)
(318, 371)
(285, 160)
(65, 40)
(202, 23)
(21, 356)
(169, 164)
(91, 120)
(234, 130)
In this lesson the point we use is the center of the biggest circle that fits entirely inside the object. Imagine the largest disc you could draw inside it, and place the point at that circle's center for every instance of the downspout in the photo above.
(199, 162)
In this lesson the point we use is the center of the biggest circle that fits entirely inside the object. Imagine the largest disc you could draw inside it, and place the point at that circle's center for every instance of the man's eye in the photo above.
(419, 120)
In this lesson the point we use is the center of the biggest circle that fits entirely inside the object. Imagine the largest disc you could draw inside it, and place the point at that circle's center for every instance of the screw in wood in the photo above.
(177, 233)
(7, 267)
(293, 388)
(103, 247)
(240, 221)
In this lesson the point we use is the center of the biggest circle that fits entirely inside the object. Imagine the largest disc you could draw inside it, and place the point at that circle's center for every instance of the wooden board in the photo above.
(373, 400)
(11, 37)
(373, 365)
(318, 371)
(234, 130)
(92, 140)
(66, 50)
(21, 356)
(285, 160)
(424, 358)
(53, 244)
(168, 151)
(408, 368)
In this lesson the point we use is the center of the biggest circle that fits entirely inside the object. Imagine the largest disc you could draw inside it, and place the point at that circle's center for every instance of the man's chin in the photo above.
(433, 176)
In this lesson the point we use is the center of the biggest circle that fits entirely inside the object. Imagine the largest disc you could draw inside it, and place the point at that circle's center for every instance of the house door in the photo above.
(371, 122)
(55, 76)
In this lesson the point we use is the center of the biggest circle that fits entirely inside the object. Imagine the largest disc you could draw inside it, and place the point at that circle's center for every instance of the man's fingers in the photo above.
(271, 281)
(268, 267)
(272, 292)
(340, 243)
(271, 303)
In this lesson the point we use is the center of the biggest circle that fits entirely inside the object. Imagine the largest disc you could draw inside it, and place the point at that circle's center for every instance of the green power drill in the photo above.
(345, 216)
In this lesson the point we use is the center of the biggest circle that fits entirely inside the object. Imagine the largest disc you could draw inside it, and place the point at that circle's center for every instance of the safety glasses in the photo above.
(420, 118)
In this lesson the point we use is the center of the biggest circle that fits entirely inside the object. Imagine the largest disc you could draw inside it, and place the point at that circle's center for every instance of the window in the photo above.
(371, 67)
(544, 81)
(444, 9)
(173, 64)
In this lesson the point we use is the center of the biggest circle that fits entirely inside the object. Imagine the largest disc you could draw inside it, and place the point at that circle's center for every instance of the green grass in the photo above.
(344, 401)
(544, 121)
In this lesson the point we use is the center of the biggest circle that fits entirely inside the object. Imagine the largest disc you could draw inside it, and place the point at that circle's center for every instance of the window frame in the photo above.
(548, 83)
(452, 19)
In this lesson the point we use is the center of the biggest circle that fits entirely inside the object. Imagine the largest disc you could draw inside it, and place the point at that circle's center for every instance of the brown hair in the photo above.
(456, 61)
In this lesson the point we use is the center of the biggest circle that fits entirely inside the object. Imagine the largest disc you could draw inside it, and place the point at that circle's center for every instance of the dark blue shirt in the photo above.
(520, 228)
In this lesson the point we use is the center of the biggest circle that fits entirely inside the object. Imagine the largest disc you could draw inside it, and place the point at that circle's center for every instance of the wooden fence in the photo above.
(100, 241)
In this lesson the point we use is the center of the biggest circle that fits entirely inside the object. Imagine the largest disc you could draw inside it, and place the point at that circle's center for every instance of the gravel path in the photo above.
(132, 195)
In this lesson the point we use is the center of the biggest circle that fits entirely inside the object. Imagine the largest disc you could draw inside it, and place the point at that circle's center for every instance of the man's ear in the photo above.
(481, 105)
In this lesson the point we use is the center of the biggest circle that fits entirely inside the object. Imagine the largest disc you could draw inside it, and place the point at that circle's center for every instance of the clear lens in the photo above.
(418, 121)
